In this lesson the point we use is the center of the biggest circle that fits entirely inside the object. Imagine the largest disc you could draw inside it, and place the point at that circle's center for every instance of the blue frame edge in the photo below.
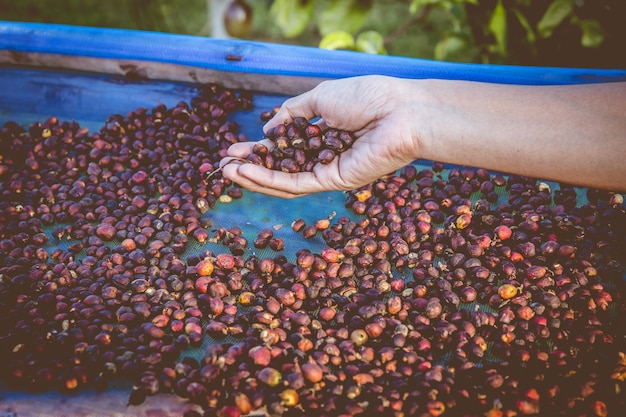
(268, 58)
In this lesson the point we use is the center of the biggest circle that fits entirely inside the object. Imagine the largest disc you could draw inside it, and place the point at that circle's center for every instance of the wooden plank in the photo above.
(150, 70)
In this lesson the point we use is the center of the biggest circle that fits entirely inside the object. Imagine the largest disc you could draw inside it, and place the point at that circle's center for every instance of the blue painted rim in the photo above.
(267, 58)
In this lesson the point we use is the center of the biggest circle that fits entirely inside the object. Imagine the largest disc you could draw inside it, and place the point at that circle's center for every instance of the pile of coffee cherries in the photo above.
(299, 145)
(438, 291)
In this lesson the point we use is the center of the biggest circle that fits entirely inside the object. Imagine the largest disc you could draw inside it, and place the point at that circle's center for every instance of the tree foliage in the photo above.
(531, 32)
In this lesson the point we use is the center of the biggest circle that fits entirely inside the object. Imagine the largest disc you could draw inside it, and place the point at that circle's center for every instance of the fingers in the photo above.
(342, 104)
(303, 105)
(271, 182)
(239, 150)
(243, 149)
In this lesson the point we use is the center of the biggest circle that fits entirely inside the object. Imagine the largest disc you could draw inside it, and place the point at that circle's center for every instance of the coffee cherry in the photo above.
(299, 146)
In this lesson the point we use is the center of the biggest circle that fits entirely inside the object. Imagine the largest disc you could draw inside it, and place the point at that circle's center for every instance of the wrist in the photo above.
(423, 109)
(446, 120)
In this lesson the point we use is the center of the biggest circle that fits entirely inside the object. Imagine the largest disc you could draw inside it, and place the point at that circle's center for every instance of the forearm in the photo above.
(573, 134)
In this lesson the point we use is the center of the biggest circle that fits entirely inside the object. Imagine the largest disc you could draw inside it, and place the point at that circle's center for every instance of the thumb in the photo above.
(303, 105)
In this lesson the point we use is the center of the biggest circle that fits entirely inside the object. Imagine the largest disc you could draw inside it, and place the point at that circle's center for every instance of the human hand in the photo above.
(375, 109)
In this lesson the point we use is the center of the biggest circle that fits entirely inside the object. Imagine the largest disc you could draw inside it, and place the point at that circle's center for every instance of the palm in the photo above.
(360, 105)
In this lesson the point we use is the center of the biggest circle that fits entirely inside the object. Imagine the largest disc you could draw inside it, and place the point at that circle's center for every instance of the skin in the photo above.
(575, 134)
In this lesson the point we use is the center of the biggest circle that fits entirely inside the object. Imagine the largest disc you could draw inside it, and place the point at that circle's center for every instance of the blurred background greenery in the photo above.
(574, 33)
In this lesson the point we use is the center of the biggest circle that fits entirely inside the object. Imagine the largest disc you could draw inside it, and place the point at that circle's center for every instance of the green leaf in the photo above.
(337, 40)
(592, 36)
(554, 15)
(416, 5)
(344, 15)
(370, 42)
(449, 46)
(292, 17)
(446, 4)
(530, 33)
(497, 26)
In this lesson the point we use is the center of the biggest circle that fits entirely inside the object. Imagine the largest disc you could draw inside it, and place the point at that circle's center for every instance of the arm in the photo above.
(574, 134)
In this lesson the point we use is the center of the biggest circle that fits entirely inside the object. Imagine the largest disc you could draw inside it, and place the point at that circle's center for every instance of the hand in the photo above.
(376, 109)
(565, 133)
